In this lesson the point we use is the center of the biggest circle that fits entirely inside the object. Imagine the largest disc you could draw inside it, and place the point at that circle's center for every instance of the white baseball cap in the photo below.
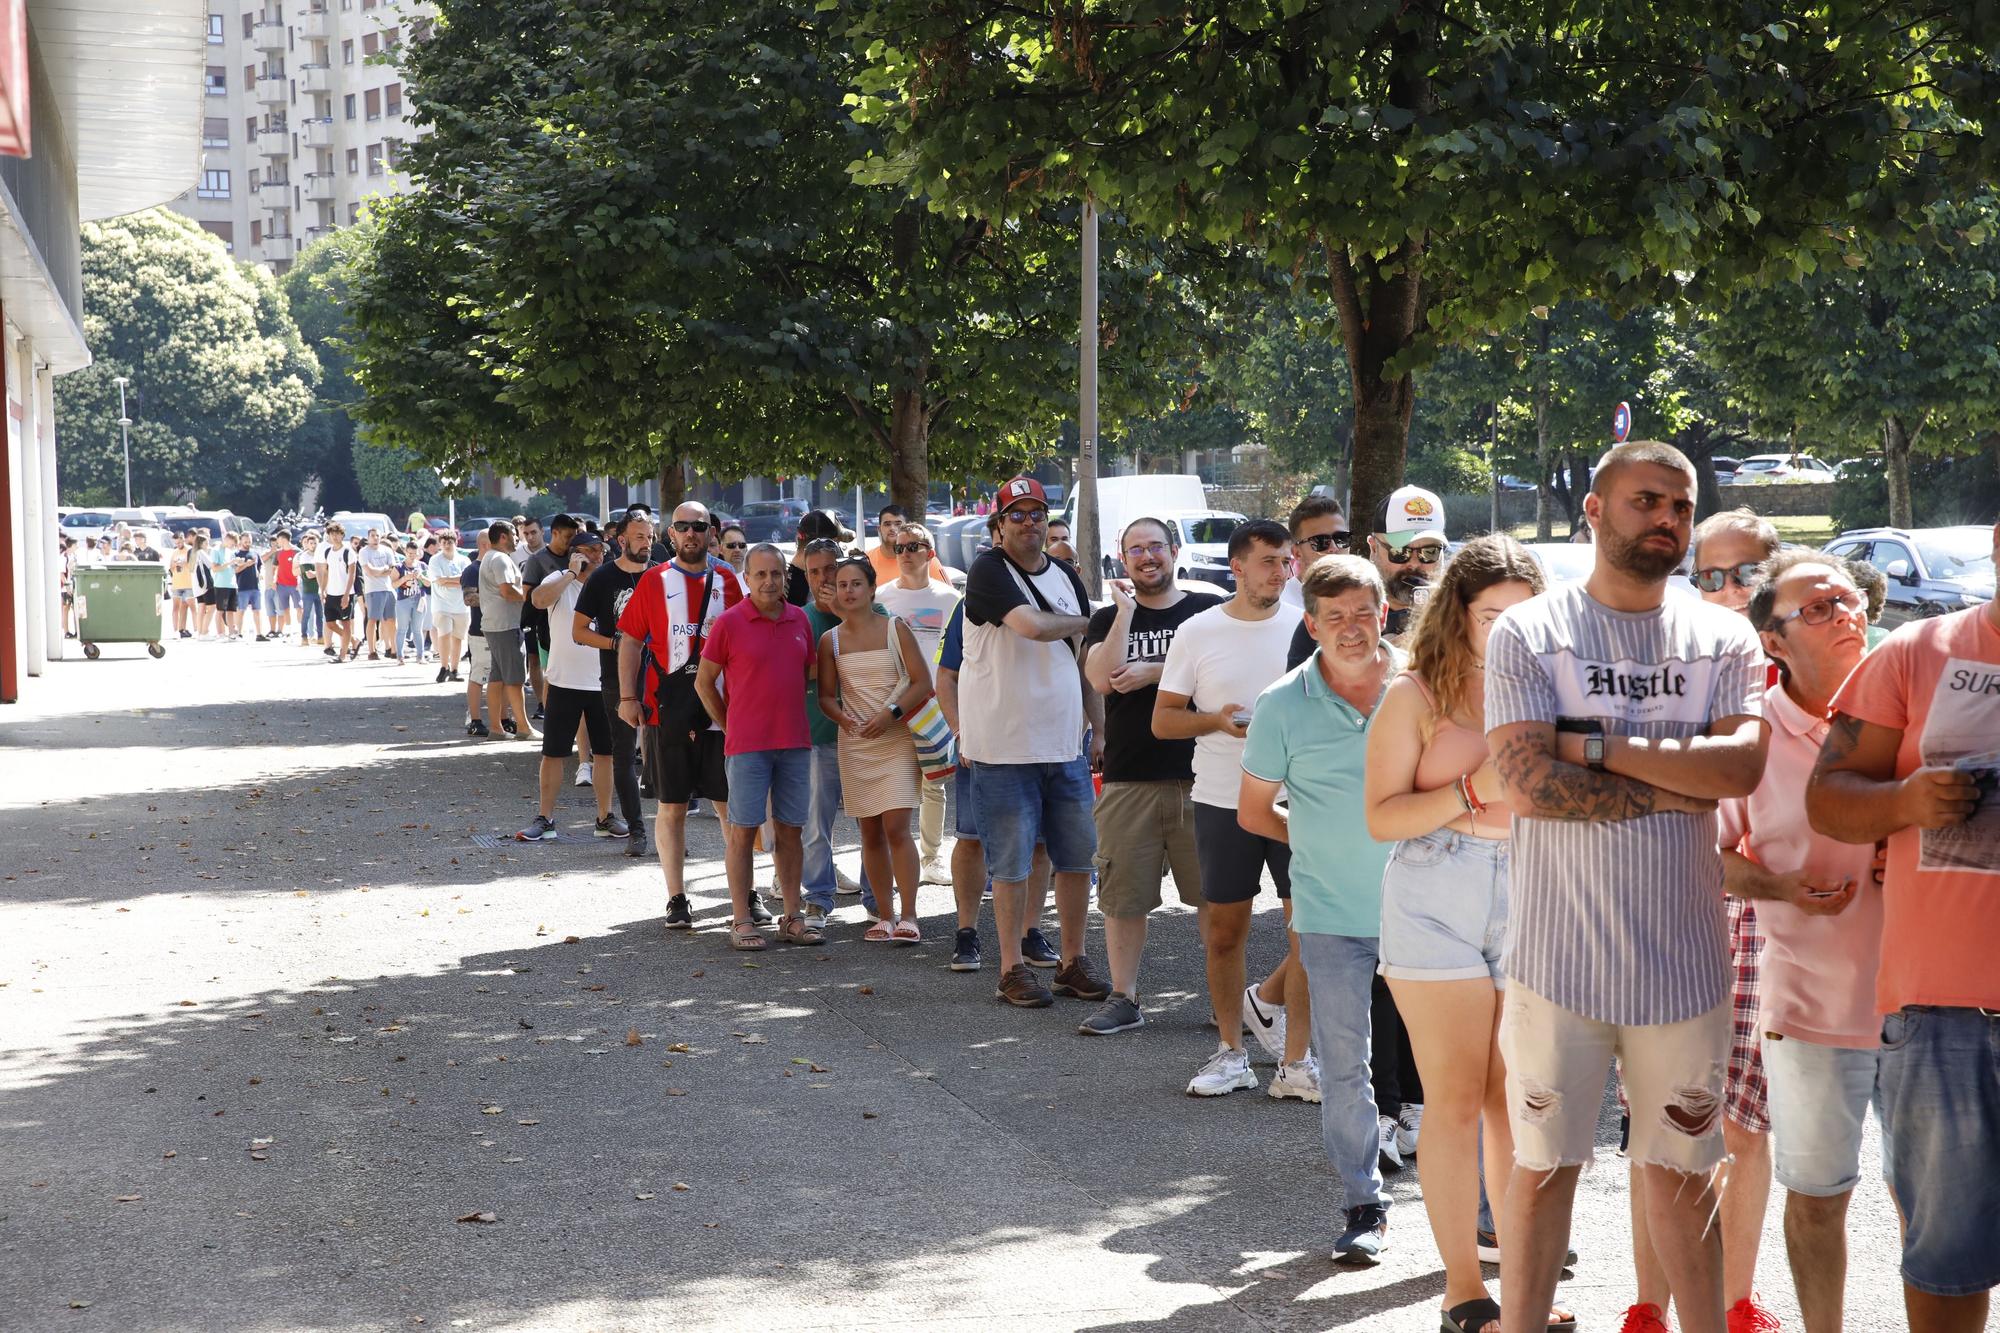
(1412, 512)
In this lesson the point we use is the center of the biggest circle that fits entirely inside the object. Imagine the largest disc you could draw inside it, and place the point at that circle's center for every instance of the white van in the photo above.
(1177, 500)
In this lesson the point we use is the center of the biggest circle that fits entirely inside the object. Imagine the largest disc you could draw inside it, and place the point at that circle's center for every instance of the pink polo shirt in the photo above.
(1818, 981)
(765, 664)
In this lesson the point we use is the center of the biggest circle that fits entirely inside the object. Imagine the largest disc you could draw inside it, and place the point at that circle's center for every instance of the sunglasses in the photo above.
(689, 525)
(1026, 515)
(1427, 554)
(822, 546)
(911, 548)
(1818, 613)
(1328, 541)
(736, 546)
(1712, 580)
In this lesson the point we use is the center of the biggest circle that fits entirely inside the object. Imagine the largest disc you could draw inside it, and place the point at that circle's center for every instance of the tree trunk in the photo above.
(1579, 486)
(1544, 516)
(1896, 468)
(909, 453)
(1379, 318)
(1493, 467)
(1698, 442)
(673, 488)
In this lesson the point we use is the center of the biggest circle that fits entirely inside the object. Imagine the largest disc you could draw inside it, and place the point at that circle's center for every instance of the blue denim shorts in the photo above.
(1941, 1109)
(777, 783)
(1444, 908)
(1018, 805)
(1820, 1097)
(966, 821)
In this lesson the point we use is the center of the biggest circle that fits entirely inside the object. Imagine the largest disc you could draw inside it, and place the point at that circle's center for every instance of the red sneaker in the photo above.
(1748, 1316)
(1648, 1318)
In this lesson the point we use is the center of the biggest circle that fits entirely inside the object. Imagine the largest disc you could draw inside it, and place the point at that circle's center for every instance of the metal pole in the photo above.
(603, 502)
(125, 434)
(1089, 546)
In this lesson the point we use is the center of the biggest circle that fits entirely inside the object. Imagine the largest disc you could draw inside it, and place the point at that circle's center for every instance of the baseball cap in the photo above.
(822, 523)
(1022, 488)
(585, 539)
(1411, 512)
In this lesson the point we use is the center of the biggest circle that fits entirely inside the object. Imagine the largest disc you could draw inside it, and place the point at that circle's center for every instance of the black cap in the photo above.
(822, 523)
(585, 539)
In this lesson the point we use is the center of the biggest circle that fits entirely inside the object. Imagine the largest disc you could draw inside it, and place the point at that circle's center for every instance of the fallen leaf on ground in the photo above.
(869, 1115)
(128, 1198)
(572, 939)
(79, 1305)
(480, 1217)
(677, 1092)
(642, 1196)
(187, 1004)
(681, 1047)
(633, 1038)
(679, 1186)
(527, 1122)
(867, 990)
(754, 1039)
(492, 1110)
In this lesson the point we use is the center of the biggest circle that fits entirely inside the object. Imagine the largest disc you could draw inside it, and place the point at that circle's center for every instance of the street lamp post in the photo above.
(125, 433)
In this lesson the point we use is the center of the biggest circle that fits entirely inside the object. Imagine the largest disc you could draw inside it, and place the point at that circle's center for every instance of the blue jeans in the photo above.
(1940, 1094)
(408, 627)
(1019, 805)
(312, 618)
(818, 878)
(1340, 970)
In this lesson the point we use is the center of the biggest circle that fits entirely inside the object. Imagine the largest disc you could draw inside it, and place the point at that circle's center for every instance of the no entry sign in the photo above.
(1621, 422)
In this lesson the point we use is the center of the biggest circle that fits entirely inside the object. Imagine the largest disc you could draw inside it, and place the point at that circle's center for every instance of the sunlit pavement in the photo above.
(273, 1026)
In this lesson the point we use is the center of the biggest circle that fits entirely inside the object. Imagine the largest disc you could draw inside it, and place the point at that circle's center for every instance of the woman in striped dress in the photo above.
(871, 679)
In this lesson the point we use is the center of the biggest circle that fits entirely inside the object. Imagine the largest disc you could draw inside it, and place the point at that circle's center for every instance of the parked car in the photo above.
(84, 524)
(215, 522)
(1930, 571)
(1759, 469)
(1724, 467)
(772, 520)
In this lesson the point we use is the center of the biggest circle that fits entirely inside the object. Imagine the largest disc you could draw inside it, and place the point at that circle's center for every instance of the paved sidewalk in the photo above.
(273, 1022)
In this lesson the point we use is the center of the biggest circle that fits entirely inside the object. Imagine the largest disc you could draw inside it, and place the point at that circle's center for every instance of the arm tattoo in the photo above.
(1556, 790)
(1842, 739)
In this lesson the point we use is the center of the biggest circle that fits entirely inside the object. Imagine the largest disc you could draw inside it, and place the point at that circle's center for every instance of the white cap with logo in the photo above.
(1412, 512)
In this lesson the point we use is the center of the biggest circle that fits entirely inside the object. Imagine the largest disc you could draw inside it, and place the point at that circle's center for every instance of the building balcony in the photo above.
(316, 78)
(275, 142)
(319, 186)
(279, 249)
(272, 90)
(317, 132)
(276, 195)
(268, 35)
(317, 234)
(311, 24)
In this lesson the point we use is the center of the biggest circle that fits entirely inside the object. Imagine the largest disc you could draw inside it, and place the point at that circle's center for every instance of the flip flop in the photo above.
(906, 932)
(743, 938)
(1471, 1316)
(882, 932)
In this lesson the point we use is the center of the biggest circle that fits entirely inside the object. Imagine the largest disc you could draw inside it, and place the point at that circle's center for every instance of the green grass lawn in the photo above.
(1803, 530)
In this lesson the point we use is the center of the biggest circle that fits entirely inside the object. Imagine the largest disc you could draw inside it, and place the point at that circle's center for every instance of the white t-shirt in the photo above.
(925, 610)
(445, 571)
(378, 569)
(337, 571)
(1019, 701)
(1217, 660)
(572, 665)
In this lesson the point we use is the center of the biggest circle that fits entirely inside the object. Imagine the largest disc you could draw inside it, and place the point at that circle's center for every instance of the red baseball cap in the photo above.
(1022, 488)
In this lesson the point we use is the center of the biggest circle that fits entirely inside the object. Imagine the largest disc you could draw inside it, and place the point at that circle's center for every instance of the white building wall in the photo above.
(38, 522)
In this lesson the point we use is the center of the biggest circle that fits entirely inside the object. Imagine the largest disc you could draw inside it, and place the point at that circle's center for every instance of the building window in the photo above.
(249, 78)
(249, 21)
(254, 171)
(347, 104)
(218, 81)
(374, 159)
(347, 52)
(249, 129)
(420, 30)
(353, 214)
(392, 98)
(224, 232)
(370, 43)
(215, 33)
(256, 232)
(392, 39)
(372, 99)
(215, 132)
(214, 185)
(353, 160)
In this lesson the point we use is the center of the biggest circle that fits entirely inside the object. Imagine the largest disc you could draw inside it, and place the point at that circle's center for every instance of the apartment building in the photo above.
(305, 119)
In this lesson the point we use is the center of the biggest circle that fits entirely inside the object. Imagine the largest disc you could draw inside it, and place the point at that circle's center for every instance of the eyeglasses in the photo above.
(912, 548)
(1026, 515)
(1711, 580)
(822, 546)
(690, 525)
(735, 546)
(1818, 613)
(1328, 541)
(1427, 554)
(1157, 550)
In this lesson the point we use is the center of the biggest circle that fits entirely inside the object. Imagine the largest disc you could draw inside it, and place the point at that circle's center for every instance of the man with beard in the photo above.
(598, 607)
(664, 625)
(1407, 547)
(575, 702)
(1618, 716)
(1217, 665)
(1143, 814)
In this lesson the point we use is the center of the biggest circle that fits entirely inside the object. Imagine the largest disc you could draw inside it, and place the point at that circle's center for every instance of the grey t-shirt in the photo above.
(1621, 921)
(496, 613)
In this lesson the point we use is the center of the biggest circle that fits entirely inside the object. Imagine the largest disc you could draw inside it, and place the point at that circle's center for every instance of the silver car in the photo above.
(1930, 571)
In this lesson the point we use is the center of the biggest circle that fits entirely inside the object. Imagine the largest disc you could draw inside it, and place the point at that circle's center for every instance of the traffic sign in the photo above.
(1621, 422)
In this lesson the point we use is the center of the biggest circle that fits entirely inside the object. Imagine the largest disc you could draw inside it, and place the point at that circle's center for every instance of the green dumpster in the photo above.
(120, 603)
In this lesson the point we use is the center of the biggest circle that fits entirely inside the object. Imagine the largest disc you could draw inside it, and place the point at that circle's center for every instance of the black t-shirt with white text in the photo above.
(603, 599)
(1131, 752)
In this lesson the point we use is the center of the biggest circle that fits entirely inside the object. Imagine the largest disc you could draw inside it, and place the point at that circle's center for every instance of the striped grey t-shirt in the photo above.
(1621, 921)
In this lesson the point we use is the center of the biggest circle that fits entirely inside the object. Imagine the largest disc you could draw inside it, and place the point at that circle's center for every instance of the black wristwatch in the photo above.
(896, 711)
(1592, 731)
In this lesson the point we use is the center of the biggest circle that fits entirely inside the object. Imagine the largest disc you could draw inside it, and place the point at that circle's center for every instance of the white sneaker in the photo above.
(936, 872)
(583, 778)
(1226, 1071)
(1392, 1155)
(1299, 1079)
(1407, 1126)
(1266, 1021)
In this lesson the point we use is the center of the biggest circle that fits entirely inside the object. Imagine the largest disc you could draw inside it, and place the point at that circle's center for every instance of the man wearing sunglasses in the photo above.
(923, 601)
(1318, 527)
(890, 521)
(1408, 548)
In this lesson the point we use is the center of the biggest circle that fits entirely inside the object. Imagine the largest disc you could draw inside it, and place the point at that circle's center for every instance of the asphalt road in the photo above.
(272, 1024)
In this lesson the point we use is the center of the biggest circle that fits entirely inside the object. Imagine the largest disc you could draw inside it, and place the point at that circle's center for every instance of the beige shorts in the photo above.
(481, 664)
(1556, 1065)
(1143, 830)
(454, 623)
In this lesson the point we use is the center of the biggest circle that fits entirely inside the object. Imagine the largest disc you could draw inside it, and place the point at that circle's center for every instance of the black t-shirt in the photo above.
(603, 599)
(798, 588)
(534, 569)
(1131, 752)
(1303, 644)
(246, 577)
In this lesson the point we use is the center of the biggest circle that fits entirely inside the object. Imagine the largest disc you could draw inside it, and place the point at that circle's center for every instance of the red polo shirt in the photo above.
(765, 663)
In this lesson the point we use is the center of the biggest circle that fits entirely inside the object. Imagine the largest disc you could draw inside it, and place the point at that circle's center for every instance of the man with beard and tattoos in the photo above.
(598, 607)
(1145, 820)
(1618, 715)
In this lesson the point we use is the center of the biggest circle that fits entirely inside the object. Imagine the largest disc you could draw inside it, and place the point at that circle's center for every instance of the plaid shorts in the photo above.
(1746, 1100)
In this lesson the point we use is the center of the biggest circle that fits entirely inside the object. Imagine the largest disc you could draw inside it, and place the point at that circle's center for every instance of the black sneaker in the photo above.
(965, 951)
(476, 728)
(1118, 1013)
(263, 638)
(680, 916)
(332, 654)
(538, 713)
(1023, 989)
(507, 725)
(1035, 950)
(444, 673)
(1367, 1235)
(635, 846)
(759, 914)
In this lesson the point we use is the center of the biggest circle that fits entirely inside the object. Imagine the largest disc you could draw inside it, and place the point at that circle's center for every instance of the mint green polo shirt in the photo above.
(1314, 742)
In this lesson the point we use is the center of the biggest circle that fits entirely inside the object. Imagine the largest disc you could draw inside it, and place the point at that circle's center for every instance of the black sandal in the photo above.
(1471, 1316)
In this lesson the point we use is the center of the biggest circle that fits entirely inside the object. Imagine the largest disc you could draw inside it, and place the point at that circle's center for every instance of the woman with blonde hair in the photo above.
(1433, 791)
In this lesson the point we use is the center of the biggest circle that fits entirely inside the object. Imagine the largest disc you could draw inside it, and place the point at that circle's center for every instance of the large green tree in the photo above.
(315, 288)
(1441, 169)
(220, 380)
(636, 235)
